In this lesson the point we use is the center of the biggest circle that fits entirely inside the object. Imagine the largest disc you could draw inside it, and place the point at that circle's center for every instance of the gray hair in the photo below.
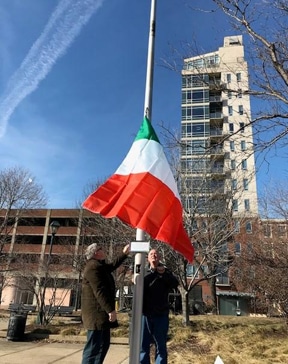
(90, 251)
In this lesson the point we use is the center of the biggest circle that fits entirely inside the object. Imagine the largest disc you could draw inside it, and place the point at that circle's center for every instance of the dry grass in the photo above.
(238, 340)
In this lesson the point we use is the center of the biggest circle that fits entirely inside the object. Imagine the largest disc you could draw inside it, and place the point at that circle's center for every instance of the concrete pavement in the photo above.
(12, 352)
(57, 349)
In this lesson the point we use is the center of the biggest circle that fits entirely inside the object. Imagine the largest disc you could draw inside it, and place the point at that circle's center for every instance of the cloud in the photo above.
(62, 28)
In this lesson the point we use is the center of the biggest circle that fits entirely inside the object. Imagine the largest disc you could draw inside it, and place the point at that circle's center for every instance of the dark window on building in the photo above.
(244, 164)
(248, 227)
(237, 248)
(267, 230)
(235, 205)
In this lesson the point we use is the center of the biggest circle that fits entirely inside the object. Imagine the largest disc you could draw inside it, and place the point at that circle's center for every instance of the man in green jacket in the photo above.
(98, 302)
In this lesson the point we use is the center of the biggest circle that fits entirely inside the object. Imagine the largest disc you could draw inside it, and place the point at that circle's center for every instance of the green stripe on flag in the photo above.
(146, 131)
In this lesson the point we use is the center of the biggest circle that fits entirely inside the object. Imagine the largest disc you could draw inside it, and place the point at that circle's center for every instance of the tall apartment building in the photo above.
(217, 155)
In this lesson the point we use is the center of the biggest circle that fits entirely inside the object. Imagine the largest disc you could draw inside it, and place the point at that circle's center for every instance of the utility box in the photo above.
(234, 303)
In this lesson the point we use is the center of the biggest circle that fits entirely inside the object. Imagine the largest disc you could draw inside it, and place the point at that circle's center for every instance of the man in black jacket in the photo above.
(98, 302)
(158, 282)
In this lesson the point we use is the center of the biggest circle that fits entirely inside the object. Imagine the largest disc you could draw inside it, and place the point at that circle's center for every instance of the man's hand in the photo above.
(112, 316)
(126, 249)
(160, 269)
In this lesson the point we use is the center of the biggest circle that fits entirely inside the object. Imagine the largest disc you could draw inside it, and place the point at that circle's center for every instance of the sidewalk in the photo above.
(12, 352)
(57, 349)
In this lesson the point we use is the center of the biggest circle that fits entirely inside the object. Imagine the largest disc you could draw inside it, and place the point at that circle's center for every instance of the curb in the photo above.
(66, 338)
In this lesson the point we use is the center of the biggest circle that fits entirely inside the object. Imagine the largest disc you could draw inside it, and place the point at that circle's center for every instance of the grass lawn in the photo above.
(237, 340)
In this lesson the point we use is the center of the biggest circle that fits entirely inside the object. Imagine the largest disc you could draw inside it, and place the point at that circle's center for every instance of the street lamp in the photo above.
(54, 226)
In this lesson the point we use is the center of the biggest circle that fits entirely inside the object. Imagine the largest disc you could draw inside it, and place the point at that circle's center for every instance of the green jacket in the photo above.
(98, 293)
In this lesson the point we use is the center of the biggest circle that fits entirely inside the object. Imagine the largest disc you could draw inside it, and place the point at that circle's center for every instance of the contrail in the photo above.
(62, 28)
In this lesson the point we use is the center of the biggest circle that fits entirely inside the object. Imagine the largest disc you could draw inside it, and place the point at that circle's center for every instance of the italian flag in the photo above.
(143, 193)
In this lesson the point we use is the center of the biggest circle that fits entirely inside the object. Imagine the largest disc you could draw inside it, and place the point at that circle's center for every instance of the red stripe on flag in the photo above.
(143, 201)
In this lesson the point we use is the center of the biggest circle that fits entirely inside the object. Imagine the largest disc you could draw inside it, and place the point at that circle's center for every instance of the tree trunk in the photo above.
(185, 307)
(212, 283)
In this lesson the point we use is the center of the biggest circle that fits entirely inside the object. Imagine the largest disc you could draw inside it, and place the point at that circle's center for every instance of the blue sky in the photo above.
(72, 83)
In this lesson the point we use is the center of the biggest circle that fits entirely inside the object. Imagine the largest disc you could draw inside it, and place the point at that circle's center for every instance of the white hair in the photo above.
(90, 251)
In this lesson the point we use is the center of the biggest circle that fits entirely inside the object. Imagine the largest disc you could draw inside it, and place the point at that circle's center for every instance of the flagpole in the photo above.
(139, 264)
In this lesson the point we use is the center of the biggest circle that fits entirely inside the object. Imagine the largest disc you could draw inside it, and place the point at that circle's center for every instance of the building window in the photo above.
(199, 96)
(239, 95)
(205, 270)
(194, 225)
(248, 227)
(243, 145)
(234, 184)
(231, 127)
(222, 279)
(190, 271)
(230, 110)
(232, 145)
(200, 129)
(233, 164)
(204, 226)
(247, 204)
(281, 230)
(241, 127)
(228, 77)
(235, 205)
(237, 248)
(238, 77)
(195, 112)
(240, 109)
(229, 94)
(195, 147)
(236, 226)
(244, 164)
(267, 230)
(245, 184)
(195, 129)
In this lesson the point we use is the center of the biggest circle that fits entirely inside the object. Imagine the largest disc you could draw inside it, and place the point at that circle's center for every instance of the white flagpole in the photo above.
(139, 265)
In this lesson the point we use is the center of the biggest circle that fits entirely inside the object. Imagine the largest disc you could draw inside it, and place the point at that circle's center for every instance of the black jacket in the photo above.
(156, 290)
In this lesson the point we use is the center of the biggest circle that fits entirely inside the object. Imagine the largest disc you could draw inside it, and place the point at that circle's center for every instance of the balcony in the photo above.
(217, 132)
(216, 151)
(216, 115)
(218, 170)
(215, 98)
(217, 85)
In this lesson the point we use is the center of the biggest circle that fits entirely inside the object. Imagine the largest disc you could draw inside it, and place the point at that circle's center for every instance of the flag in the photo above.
(143, 193)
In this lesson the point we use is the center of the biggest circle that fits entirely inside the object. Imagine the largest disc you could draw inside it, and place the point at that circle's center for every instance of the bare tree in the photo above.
(261, 269)
(48, 281)
(209, 220)
(262, 266)
(265, 24)
(18, 191)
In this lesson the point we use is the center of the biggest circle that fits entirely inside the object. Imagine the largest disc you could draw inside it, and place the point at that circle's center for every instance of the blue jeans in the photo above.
(154, 330)
(96, 347)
